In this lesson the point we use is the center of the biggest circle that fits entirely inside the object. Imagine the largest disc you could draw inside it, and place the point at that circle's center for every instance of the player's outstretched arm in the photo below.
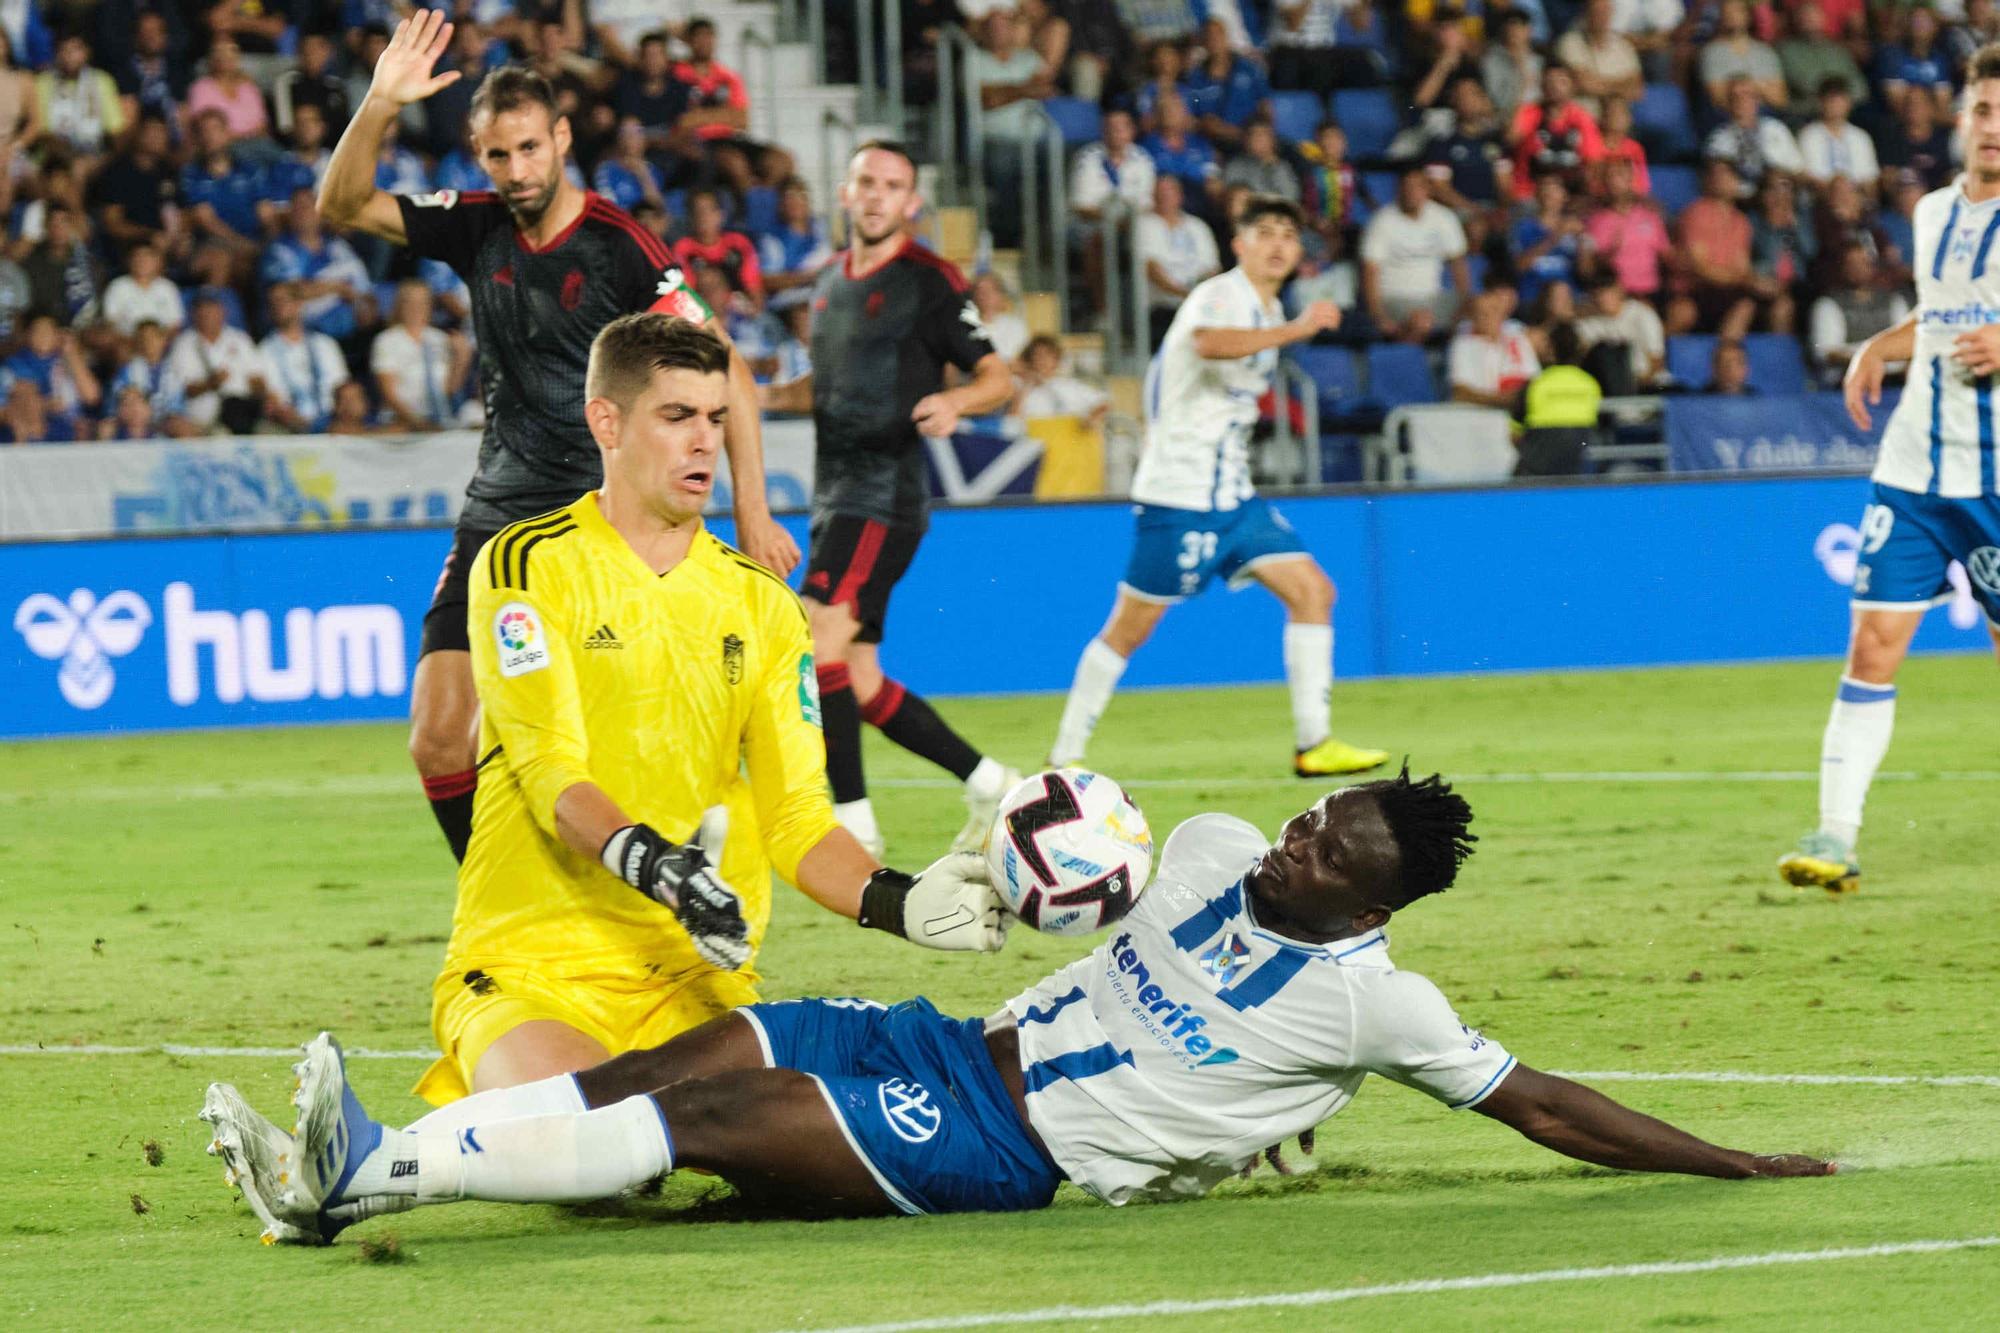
(347, 196)
(681, 877)
(1583, 1123)
(950, 906)
(1222, 343)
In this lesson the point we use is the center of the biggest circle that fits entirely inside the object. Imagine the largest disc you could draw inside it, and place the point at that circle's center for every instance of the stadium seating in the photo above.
(1664, 123)
(1674, 188)
(1334, 369)
(1400, 374)
(1777, 364)
(1690, 359)
(1371, 120)
(1080, 121)
(1296, 116)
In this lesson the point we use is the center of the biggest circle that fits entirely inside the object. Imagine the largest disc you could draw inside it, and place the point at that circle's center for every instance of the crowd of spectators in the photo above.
(1446, 149)
(164, 270)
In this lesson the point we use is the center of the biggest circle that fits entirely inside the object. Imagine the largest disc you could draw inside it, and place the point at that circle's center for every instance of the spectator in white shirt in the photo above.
(1004, 325)
(219, 371)
(418, 367)
(1735, 54)
(1757, 145)
(1834, 146)
(1617, 318)
(1604, 60)
(1492, 358)
(145, 293)
(1650, 26)
(1851, 313)
(1178, 251)
(1049, 390)
(302, 368)
(1116, 168)
(1404, 252)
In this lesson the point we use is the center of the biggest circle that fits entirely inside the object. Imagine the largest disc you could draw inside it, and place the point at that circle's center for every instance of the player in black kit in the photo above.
(548, 265)
(888, 317)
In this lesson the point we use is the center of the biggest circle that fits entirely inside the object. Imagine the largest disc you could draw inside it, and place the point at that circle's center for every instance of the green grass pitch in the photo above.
(246, 889)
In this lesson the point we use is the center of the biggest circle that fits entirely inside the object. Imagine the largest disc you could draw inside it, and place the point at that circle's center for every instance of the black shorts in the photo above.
(444, 623)
(856, 562)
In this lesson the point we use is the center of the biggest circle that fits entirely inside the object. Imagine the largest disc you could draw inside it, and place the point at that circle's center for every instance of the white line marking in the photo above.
(1583, 1075)
(1423, 1287)
(398, 786)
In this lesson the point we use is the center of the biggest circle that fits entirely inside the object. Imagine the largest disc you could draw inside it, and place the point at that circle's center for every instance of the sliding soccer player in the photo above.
(1245, 1000)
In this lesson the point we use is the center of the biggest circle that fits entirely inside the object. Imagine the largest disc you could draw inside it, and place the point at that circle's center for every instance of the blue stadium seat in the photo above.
(1662, 120)
(1370, 118)
(1296, 116)
(1476, 265)
(760, 211)
(1400, 374)
(1381, 187)
(1674, 188)
(1339, 457)
(1079, 120)
(1776, 363)
(1333, 369)
(1691, 359)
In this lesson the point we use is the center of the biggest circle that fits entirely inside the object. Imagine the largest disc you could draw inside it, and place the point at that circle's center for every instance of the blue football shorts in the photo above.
(1908, 542)
(1175, 552)
(918, 1098)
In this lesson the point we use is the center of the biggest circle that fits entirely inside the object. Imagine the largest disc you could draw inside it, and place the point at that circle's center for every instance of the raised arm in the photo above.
(348, 197)
(1230, 344)
(1580, 1122)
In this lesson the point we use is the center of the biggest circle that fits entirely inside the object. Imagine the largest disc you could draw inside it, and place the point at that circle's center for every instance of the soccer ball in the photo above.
(1069, 852)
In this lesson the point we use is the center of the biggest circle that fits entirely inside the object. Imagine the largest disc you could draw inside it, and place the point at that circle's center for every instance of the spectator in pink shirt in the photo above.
(1629, 235)
(226, 88)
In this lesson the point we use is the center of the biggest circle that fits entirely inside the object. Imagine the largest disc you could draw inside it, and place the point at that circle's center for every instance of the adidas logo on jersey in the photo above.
(603, 638)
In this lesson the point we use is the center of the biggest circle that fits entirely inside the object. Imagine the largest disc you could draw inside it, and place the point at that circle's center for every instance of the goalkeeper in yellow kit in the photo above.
(642, 686)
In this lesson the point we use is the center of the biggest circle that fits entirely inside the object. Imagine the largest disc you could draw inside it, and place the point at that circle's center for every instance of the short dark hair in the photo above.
(1985, 63)
(1834, 83)
(510, 88)
(894, 146)
(1428, 821)
(696, 25)
(629, 349)
(1260, 206)
(1565, 344)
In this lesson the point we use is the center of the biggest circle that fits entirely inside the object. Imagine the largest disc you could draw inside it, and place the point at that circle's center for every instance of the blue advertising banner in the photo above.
(145, 634)
(1777, 433)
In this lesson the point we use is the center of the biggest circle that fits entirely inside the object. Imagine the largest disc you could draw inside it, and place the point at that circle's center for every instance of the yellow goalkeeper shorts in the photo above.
(472, 1007)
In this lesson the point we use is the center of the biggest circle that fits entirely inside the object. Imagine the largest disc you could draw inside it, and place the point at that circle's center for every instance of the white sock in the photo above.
(858, 818)
(550, 1096)
(1309, 673)
(1097, 673)
(1857, 736)
(987, 781)
(541, 1159)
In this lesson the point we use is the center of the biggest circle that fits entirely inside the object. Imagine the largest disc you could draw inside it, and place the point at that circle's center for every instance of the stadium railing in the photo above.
(1044, 222)
(960, 118)
(766, 100)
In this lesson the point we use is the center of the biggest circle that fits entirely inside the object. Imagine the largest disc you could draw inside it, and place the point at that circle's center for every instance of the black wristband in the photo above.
(882, 901)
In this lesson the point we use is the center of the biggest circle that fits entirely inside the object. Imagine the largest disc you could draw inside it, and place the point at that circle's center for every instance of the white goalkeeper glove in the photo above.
(950, 906)
(679, 877)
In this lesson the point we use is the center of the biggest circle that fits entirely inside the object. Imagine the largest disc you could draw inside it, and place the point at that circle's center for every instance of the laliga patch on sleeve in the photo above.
(522, 639)
(808, 691)
(436, 199)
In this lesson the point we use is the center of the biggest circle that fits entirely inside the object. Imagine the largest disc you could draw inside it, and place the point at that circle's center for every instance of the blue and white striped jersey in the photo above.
(1193, 1039)
(1199, 413)
(1940, 439)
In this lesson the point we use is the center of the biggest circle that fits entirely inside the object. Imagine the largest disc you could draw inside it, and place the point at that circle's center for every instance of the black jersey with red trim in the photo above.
(534, 314)
(880, 343)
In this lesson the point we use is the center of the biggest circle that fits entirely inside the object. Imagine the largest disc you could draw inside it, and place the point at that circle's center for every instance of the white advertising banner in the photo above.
(269, 481)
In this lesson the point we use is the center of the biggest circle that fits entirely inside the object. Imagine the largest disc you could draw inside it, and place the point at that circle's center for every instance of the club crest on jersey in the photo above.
(517, 632)
(1963, 241)
(1225, 959)
(572, 289)
(732, 658)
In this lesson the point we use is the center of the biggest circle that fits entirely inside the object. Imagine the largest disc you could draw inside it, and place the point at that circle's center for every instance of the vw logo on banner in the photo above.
(84, 634)
(907, 1107)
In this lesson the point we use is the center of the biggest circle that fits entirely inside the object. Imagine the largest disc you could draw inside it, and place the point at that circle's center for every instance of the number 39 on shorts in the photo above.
(1197, 549)
(1876, 521)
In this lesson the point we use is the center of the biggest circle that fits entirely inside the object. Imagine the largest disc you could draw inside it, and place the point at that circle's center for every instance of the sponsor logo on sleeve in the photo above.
(808, 691)
(517, 631)
(435, 199)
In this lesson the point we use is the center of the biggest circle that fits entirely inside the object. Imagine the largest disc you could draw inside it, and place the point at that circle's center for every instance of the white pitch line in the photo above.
(1422, 1287)
(1585, 1075)
(398, 786)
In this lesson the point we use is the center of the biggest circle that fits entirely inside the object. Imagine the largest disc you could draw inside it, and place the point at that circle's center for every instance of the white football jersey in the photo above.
(1940, 439)
(1192, 1040)
(1199, 413)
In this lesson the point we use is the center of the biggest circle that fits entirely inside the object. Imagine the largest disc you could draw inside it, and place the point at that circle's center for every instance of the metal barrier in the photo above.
(1292, 377)
(1044, 231)
(834, 167)
(961, 180)
(766, 100)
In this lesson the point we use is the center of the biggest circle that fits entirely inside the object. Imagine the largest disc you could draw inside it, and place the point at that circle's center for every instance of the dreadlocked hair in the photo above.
(1429, 822)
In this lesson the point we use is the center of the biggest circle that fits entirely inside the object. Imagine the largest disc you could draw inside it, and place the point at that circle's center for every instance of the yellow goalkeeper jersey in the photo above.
(673, 692)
